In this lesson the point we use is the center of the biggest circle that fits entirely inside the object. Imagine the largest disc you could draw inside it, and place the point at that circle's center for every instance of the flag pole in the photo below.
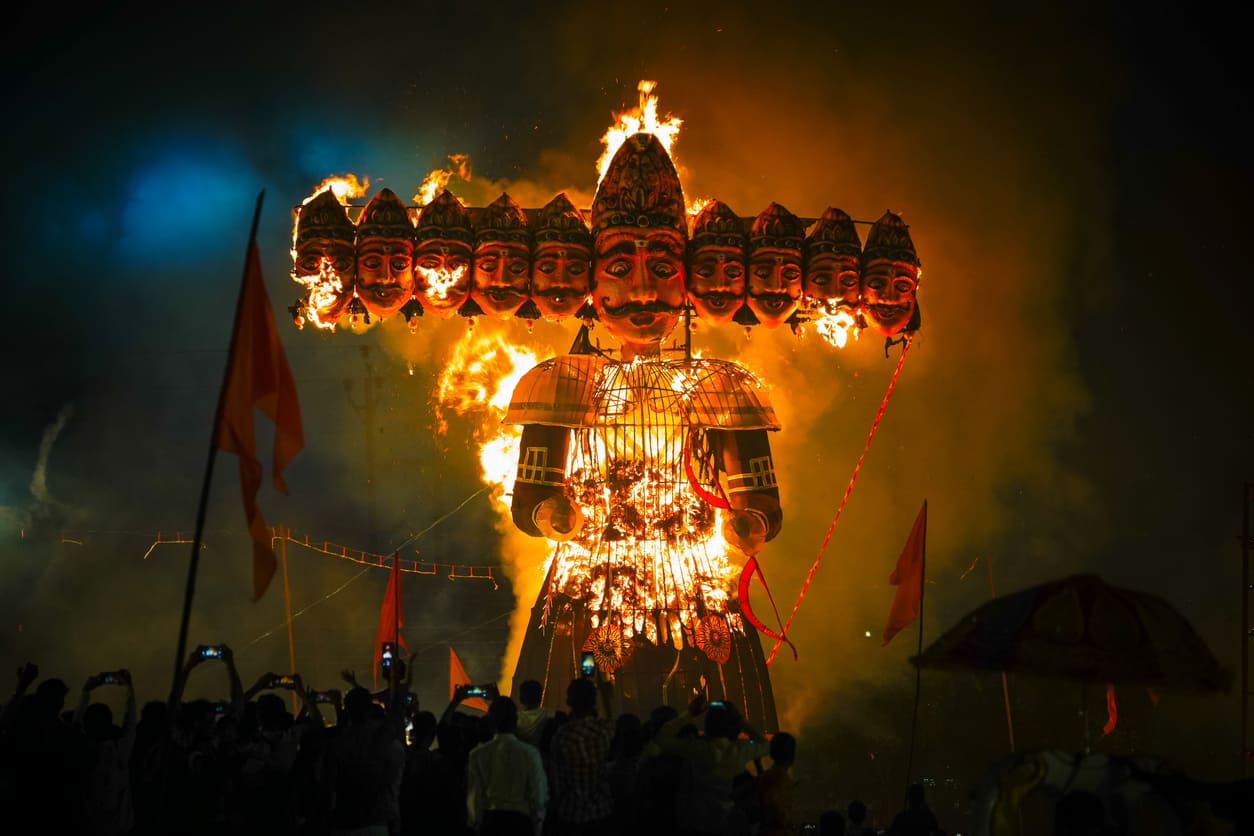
(190, 591)
(287, 609)
(918, 669)
(393, 675)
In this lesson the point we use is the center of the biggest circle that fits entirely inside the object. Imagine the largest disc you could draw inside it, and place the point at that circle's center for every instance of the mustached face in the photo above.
(889, 294)
(560, 274)
(501, 275)
(442, 274)
(638, 284)
(716, 282)
(774, 284)
(385, 273)
(833, 280)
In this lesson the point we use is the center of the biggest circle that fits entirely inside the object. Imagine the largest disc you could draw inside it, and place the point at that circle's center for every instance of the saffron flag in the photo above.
(391, 616)
(907, 576)
(457, 676)
(257, 377)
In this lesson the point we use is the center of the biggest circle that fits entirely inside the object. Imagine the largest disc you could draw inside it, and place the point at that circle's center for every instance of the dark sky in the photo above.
(1078, 184)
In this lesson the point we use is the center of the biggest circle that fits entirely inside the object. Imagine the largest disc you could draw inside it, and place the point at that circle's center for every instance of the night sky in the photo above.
(1078, 184)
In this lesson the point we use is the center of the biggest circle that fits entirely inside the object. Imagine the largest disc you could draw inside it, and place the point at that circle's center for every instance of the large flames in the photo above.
(479, 377)
(641, 119)
(429, 190)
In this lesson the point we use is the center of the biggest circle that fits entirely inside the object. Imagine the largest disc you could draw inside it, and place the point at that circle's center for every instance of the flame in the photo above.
(344, 188)
(440, 280)
(695, 207)
(480, 377)
(641, 119)
(834, 327)
(324, 289)
(438, 179)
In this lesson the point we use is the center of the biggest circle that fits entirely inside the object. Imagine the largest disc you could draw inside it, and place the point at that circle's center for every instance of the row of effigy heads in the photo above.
(504, 261)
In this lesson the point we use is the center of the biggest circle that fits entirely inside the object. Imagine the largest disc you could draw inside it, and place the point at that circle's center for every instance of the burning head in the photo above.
(716, 279)
(890, 277)
(385, 260)
(639, 229)
(775, 265)
(563, 259)
(502, 258)
(833, 258)
(442, 255)
(324, 257)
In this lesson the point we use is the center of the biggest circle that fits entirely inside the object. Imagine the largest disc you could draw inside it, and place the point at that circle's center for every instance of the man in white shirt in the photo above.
(506, 790)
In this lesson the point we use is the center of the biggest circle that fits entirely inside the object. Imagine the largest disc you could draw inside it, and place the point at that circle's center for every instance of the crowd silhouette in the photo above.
(364, 763)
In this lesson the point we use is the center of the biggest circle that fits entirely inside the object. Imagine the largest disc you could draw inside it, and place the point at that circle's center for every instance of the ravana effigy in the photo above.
(652, 477)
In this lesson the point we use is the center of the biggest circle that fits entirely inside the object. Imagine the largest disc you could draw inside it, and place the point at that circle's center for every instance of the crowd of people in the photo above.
(366, 763)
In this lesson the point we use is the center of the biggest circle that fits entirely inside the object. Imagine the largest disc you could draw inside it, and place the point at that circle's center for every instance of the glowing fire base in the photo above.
(651, 675)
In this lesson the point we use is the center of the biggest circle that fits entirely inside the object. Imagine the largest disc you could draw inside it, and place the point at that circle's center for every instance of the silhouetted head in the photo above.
(98, 722)
(581, 696)
(915, 797)
(357, 704)
(857, 812)
(784, 749)
(504, 715)
(722, 720)
(530, 693)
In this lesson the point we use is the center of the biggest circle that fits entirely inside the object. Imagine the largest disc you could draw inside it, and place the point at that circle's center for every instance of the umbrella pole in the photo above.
(1005, 686)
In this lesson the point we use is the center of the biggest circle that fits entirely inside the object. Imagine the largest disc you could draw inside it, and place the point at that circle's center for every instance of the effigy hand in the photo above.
(558, 518)
(746, 530)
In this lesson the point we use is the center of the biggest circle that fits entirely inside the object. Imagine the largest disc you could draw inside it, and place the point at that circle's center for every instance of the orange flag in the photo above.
(258, 377)
(457, 676)
(391, 616)
(908, 578)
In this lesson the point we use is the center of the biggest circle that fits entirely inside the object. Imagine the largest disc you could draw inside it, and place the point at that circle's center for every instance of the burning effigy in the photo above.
(650, 474)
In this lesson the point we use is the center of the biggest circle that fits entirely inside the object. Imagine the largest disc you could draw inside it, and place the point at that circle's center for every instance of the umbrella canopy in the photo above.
(1081, 628)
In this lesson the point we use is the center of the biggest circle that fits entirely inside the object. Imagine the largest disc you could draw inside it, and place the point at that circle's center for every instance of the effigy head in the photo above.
(639, 232)
(716, 264)
(833, 257)
(890, 277)
(442, 253)
(325, 258)
(385, 254)
(775, 265)
(561, 266)
(502, 265)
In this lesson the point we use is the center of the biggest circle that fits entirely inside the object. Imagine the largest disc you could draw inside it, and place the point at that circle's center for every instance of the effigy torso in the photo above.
(649, 561)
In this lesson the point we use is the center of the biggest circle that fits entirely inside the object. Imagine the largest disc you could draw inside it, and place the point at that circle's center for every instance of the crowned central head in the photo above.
(640, 235)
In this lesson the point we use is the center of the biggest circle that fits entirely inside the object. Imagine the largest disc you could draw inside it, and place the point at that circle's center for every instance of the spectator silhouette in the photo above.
(832, 823)
(916, 819)
(775, 787)
(857, 824)
(506, 787)
(107, 792)
(364, 770)
(532, 715)
(582, 802)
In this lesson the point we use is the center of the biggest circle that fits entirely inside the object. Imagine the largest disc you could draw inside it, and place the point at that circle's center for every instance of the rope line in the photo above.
(848, 489)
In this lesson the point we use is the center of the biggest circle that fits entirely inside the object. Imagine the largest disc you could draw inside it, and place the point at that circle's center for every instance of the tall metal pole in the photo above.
(1247, 544)
(287, 608)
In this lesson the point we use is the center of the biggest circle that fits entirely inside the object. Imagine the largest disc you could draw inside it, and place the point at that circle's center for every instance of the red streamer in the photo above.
(718, 500)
